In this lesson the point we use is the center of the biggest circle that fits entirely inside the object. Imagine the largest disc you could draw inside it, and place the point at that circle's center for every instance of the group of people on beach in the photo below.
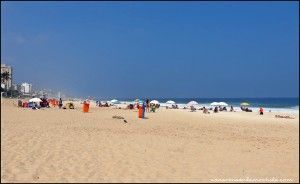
(34, 105)
(246, 109)
(151, 107)
(133, 106)
(100, 104)
(145, 105)
(215, 109)
(173, 106)
(45, 103)
(220, 108)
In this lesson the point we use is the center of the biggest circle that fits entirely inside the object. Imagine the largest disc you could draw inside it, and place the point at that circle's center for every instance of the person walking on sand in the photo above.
(148, 105)
(60, 104)
(261, 111)
(144, 108)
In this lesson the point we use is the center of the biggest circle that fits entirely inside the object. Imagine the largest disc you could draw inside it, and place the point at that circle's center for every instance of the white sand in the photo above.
(55, 145)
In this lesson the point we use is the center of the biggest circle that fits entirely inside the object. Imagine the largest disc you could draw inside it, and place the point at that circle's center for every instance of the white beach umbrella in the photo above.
(170, 102)
(223, 104)
(35, 100)
(192, 103)
(114, 101)
(215, 104)
(154, 102)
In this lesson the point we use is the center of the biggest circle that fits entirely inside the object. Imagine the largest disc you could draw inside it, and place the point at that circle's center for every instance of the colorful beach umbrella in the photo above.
(245, 104)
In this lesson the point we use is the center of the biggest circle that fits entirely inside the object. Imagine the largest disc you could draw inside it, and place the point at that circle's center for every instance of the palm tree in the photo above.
(5, 76)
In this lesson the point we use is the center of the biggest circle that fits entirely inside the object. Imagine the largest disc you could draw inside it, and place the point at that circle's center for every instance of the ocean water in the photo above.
(273, 104)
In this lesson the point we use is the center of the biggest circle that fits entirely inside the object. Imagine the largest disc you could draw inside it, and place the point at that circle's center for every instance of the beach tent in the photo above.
(215, 104)
(223, 104)
(154, 102)
(245, 104)
(192, 103)
(170, 102)
(35, 100)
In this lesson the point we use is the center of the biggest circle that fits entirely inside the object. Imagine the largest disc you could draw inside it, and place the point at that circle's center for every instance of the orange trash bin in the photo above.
(85, 107)
(140, 112)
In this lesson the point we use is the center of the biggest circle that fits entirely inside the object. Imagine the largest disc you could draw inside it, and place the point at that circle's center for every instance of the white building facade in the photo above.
(26, 88)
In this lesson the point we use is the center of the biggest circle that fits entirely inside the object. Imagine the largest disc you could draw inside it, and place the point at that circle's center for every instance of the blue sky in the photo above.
(154, 49)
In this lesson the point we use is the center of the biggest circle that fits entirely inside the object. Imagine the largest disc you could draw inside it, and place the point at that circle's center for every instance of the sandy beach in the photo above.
(171, 145)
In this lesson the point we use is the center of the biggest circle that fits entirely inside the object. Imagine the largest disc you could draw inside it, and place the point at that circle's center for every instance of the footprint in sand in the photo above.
(35, 177)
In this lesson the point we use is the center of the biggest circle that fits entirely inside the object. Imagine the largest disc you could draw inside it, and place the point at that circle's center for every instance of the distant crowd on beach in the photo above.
(150, 107)
(147, 105)
(38, 103)
(220, 108)
(101, 104)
